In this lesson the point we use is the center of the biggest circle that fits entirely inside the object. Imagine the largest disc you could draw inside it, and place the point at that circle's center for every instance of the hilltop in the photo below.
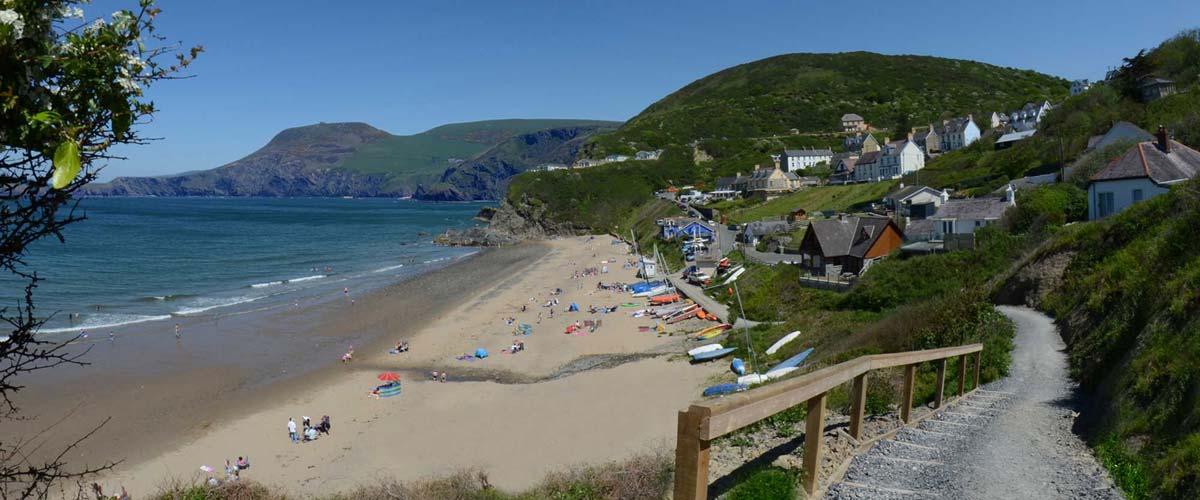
(343, 159)
(810, 93)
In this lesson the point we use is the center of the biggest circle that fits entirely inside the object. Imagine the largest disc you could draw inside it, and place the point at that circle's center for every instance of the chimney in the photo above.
(1164, 142)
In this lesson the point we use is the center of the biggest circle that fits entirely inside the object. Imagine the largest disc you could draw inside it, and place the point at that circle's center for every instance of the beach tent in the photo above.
(389, 391)
(481, 353)
(574, 307)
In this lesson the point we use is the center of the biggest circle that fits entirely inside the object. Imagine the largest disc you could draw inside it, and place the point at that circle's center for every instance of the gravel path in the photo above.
(1010, 439)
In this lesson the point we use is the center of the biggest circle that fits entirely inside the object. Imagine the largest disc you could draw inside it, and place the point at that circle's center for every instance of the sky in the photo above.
(406, 66)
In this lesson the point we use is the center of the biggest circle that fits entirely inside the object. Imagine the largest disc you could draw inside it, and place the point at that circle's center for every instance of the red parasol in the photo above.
(389, 377)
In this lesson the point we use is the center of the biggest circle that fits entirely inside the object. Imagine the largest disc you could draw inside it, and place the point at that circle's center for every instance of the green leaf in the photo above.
(48, 117)
(120, 124)
(66, 164)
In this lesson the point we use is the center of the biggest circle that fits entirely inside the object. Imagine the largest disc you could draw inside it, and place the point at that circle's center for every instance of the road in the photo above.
(1010, 439)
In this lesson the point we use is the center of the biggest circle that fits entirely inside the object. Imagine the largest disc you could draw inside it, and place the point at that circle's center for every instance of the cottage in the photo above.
(794, 160)
(965, 216)
(926, 139)
(897, 158)
(753, 232)
(847, 244)
(958, 133)
(1029, 116)
(648, 155)
(843, 170)
(587, 162)
(999, 119)
(853, 123)
(1080, 86)
(616, 158)
(1147, 170)
(1154, 88)
(917, 202)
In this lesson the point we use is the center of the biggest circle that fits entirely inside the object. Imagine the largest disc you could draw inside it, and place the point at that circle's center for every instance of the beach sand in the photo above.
(516, 416)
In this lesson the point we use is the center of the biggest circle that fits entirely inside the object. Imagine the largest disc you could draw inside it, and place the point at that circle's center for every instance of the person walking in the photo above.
(292, 431)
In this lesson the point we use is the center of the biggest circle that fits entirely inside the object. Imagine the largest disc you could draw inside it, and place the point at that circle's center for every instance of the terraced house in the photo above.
(893, 160)
(958, 133)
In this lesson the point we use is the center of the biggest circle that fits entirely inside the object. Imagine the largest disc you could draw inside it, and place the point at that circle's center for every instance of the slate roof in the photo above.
(972, 208)
(954, 126)
(867, 158)
(920, 229)
(1121, 131)
(907, 191)
(1016, 136)
(849, 117)
(1146, 160)
(808, 152)
(851, 236)
(767, 227)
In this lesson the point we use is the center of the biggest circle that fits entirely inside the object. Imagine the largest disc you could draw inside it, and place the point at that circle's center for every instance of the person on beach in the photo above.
(304, 420)
(310, 434)
(110, 336)
(292, 431)
(176, 330)
(443, 379)
(243, 463)
(433, 375)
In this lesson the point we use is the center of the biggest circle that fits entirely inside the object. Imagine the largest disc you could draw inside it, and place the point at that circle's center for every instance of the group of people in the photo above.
(309, 432)
(437, 377)
(517, 346)
(400, 347)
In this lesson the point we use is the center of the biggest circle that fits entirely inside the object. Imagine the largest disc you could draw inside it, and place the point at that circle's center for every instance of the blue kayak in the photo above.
(725, 389)
(793, 361)
(738, 366)
(720, 353)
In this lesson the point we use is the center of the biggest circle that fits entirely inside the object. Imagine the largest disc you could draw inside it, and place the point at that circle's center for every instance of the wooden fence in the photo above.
(703, 422)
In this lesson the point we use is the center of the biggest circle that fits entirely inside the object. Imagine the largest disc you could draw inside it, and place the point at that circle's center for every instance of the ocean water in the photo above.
(135, 260)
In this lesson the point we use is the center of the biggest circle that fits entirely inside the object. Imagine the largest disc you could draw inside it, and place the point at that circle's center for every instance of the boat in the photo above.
(714, 354)
(780, 343)
(705, 348)
(710, 332)
(733, 277)
(738, 366)
(665, 298)
(682, 310)
(719, 389)
(758, 378)
(641, 287)
(669, 310)
(793, 361)
(683, 316)
(659, 290)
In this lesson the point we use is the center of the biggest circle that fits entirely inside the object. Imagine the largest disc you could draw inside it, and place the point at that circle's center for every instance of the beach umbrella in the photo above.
(389, 377)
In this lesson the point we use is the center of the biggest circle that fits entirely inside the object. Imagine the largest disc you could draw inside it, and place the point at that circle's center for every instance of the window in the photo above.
(948, 227)
(1104, 204)
(1137, 195)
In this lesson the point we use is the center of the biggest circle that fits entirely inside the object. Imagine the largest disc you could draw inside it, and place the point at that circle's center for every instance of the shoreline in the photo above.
(174, 386)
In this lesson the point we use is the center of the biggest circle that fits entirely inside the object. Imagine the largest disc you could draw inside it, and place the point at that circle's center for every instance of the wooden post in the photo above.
(978, 359)
(941, 383)
(962, 375)
(910, 381)
(858, 402)
(813, 431)
(691, 458)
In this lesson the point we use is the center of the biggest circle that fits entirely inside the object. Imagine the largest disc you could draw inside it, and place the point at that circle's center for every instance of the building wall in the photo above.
(1122, 191)
(911, 159)
(794, 163)
(888, 241)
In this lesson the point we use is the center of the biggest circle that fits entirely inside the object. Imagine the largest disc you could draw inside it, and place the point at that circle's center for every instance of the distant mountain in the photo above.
(486, 176)
(343, 159)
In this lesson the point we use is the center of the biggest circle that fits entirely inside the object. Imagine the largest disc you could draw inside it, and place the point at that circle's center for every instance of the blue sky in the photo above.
(409, 65)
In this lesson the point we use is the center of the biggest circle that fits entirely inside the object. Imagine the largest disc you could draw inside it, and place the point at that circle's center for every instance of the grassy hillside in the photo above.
(810, 92)
(1129, 305)
(840, 198)
(423, 156)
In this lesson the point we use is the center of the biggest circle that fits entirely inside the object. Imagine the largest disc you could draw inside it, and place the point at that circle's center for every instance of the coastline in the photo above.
(567, 399)
(158, 392)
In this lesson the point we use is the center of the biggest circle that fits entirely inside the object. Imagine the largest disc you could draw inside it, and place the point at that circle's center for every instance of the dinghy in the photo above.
(793, 361)
(705, 348)
(659, 290)
(758, 378)
(684, 316)
(780, 343)
(725, 389)
(733, 277)
(710, 355)
(711, 332)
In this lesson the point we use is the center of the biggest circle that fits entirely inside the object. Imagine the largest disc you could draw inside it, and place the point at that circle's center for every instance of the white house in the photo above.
(967, 215)
(1147, 170)
(797, 159)
(1029, 115)
(852, 122)
(895, 159)
(616, 158)
(958, 133)
(648, 155)
(550, 167)
(918, 202)
(1080, 86)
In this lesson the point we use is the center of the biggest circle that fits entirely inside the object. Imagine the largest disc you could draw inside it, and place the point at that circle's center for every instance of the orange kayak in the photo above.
(665, 299)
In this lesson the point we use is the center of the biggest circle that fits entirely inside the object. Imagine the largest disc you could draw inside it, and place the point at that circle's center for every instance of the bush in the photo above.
(766, 484)
(1047, 206)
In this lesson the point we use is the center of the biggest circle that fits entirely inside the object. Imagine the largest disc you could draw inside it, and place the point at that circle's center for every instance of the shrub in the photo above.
(766, 484)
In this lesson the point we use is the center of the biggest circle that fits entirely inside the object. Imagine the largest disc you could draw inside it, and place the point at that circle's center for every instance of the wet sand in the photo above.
(515, 415)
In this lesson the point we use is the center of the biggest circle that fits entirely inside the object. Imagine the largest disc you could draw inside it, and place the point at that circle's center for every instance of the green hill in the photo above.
(810, 93)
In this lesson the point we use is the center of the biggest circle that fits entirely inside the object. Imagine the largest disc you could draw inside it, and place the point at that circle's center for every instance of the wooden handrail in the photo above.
(705, 421)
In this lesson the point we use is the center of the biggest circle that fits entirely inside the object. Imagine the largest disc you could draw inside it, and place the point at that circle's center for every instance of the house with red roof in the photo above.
(1146, 170)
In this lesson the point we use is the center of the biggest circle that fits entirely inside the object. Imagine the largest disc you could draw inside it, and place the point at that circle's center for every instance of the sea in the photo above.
(138, 260)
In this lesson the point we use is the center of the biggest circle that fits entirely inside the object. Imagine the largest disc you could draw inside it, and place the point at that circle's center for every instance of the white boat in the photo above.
(783, 341)
(705, 348)
(652, 292)
(758, 378)
(733, 277)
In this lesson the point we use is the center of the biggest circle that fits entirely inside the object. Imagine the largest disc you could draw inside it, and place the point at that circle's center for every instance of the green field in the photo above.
(838, 198)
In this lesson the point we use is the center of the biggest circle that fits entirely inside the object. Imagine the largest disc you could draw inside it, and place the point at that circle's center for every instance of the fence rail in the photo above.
(703, 422)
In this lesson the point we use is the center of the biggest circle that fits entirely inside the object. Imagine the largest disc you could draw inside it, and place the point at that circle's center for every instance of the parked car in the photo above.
(699, 279)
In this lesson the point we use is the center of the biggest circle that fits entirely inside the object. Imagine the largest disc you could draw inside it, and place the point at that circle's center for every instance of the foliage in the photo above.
(1129, 307)
(813, 200)
(810, 92)
(771, 483)
(1047, 206)
(70, 91)
(1127, 469)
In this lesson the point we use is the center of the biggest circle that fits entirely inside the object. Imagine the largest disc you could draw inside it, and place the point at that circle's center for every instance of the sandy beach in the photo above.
(515, 416)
